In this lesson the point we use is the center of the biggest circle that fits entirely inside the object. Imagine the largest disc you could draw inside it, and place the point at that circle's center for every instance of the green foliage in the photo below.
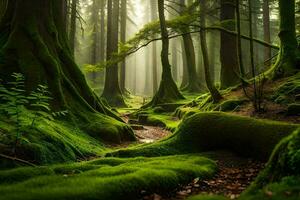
(14, 101)
(39, 102)
(19, 107)
(104, 178)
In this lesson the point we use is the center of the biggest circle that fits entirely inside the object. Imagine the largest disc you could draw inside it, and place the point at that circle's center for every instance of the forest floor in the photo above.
(234, 176)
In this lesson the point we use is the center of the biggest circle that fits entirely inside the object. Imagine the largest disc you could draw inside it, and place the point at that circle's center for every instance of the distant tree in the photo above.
(153, 6)
(123, 40)
(112, 92)
(216, 96)
(193, 81)
(267, 31)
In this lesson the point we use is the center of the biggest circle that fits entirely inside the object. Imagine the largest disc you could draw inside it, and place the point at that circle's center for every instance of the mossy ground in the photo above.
(60, 140)
(104, 178)
(215, 130)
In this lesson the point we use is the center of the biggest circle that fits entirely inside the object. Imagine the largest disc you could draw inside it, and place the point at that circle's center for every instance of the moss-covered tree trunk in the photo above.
(216, 96)
(112, 92)
(289, 56)
(168, 91)
(34, 42)
(228, 50)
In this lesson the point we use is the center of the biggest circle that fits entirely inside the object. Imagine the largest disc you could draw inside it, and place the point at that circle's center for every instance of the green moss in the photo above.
(61, 141)
(229, 105)
(50, 142)
(287, 188)
(109, 178)
(153, 118)
(205, 197)
(215, 130)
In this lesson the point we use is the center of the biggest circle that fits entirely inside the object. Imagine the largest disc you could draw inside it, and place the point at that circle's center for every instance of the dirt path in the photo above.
(151, 134)
(234, 176)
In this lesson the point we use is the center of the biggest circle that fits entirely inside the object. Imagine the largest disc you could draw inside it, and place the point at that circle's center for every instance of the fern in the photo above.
(14, 101)
(39, 102)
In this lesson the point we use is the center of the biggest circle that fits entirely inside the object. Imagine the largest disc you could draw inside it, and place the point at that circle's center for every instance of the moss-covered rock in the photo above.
(211, 131)
(105, 178)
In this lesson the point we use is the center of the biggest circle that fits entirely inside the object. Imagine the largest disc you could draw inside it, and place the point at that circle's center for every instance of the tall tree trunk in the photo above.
(174, 60)
(193, 81)
(168, 91)
(288, 59)
(228, 50)
(153, 6)
(102, 43)
(267, 32)
(184, 81)
(94, 53)
(123, 40)
(253, 70)
(34, 43)
(72, 33)
(239, 39)
(216, 96)
(112, 92)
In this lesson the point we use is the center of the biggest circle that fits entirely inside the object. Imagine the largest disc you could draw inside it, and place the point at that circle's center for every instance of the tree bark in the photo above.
(112, 92)
(216, 96)
(72, 33)
(289, 56)
(228, 50)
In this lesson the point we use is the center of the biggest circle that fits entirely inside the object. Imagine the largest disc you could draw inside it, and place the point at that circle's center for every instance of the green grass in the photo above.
(106, 178)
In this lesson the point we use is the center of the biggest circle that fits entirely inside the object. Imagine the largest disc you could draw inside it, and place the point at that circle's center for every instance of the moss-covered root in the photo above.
(215, 130)
(109, 178)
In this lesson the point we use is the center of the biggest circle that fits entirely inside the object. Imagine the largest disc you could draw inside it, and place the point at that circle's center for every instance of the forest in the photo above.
(150, 99)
